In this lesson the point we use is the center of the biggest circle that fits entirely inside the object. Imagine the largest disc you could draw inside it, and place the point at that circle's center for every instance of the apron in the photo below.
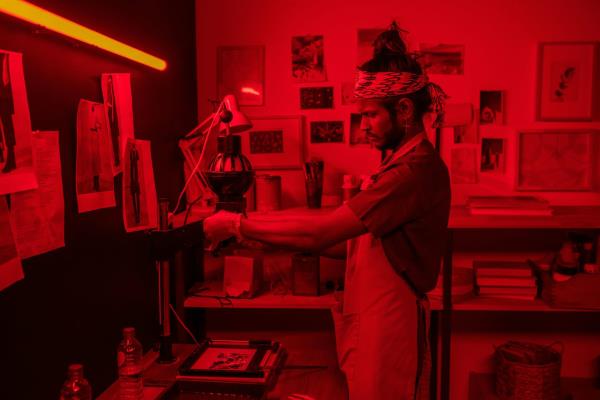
(381, 325)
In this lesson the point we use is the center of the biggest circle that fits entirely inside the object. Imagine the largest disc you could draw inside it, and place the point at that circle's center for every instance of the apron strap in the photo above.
(422, 341)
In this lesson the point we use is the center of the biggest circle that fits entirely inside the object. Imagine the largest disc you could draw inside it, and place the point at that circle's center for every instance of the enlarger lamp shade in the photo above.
(230, 174)
(232, 116)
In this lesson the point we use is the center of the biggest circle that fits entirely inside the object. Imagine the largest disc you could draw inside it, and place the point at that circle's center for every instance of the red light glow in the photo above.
(38, 16)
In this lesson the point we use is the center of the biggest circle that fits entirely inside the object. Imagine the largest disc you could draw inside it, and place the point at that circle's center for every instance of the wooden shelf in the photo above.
(508, 305)
(565, 217)
(482, 387)
(213, 298)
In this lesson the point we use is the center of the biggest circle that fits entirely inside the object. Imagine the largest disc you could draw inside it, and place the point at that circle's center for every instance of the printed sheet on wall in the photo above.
(94, 173)
(37, 216)
(116, 91)
(16, 159)
(10, 263)
(140, 209)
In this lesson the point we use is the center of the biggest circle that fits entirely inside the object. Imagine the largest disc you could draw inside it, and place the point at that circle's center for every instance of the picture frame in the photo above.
(555, 160)
(327, 132)
(241, 72)
(491, 107)
(566, 81)
(320, 97)
(275, 142)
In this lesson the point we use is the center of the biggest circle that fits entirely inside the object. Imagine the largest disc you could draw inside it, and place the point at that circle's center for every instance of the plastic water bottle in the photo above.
(129, 358)
(76, 387)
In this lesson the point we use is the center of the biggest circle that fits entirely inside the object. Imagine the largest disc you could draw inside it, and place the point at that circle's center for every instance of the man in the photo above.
(393, 232)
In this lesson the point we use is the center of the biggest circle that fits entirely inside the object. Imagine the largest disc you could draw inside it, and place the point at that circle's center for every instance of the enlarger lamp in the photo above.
(229, 174)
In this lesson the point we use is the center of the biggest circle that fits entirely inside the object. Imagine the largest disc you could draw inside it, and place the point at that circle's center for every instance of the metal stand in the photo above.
(164, 292)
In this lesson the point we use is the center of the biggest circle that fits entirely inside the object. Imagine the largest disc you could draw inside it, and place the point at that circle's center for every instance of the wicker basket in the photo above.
(533, 377)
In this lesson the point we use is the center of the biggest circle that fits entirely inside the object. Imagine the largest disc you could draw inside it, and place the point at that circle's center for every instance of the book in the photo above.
(507, 281)
(508, 205)
(503, 290)
(507, 296)
(507, 202)
(501, 268)
(541, 212)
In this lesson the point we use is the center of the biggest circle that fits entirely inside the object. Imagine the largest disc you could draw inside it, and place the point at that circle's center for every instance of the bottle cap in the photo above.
(128, 331)
(75, 370)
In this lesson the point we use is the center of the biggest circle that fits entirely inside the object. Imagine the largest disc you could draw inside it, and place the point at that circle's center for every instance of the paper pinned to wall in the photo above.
(10, 264)
(94, 177)
(37, 216)
(16, 160)
(140, 208)
(116, 91)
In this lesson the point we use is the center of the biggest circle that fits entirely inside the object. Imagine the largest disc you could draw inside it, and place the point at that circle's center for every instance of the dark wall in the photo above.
(74, 301)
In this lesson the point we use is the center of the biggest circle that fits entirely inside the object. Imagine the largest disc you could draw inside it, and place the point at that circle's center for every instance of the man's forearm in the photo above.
(300, 234)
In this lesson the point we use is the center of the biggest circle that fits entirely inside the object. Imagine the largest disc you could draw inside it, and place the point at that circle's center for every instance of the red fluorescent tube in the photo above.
(56, 23)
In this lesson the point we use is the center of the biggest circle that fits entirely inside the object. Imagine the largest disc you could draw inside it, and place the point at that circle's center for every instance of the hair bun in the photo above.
(389, 43)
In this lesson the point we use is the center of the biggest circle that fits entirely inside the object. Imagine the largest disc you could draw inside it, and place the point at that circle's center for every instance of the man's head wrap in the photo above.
(385, 85)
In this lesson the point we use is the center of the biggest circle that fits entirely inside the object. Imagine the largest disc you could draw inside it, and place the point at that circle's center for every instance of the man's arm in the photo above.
(312, 233)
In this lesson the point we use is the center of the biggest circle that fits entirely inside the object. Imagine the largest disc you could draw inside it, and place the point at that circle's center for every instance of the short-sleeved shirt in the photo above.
(407, 206)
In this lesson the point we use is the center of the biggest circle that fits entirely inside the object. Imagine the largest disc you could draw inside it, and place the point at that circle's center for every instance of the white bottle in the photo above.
(129, 359)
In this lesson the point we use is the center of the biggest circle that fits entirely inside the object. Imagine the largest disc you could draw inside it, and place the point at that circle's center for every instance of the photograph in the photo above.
(463, 166)
(316, 97)
(274, 142)
(224, 358)
(491, 107)
(347, 89)
(364, 43)
(493, 155)
(307, 59)
(240, 71)
(357, 135)
(439, 58)
(566, 81)
(555, 160)
(16, 154)
(327, 132)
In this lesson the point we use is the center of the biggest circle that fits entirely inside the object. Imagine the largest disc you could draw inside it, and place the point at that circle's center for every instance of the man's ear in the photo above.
(405, 108)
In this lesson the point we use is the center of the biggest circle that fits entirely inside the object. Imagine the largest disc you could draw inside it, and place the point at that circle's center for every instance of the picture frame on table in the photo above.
(556, 160)
(566, 81)
(241, 72)
(275, 142)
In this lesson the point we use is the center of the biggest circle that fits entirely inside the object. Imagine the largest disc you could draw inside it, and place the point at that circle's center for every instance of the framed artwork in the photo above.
(347, 89)
(364, 43)
(463, 165)
(274, 142)
(441, 58)
(357, 135)
(491, 107)
(493, 155)
(308, 63)
(566, 81)
(241, 71)
(559, 160)
(326, 132)
(316, 97)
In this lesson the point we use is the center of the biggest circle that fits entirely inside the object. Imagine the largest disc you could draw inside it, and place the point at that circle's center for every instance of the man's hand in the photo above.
(221, 226)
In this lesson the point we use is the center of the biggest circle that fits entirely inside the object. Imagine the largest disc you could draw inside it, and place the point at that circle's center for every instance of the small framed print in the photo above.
(316, 97)
(566, 81)
(274, 142)
(555, 160)
(491, 107)
(240, 71)
(357, 135)
(326, 132)
(493, 155)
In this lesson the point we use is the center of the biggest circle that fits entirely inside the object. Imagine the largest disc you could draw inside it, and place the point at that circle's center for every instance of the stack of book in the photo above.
(508, 205)
(505, 280)
(462, 286)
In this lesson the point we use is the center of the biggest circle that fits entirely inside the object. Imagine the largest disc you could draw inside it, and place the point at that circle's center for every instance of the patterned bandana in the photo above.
(382, 85)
